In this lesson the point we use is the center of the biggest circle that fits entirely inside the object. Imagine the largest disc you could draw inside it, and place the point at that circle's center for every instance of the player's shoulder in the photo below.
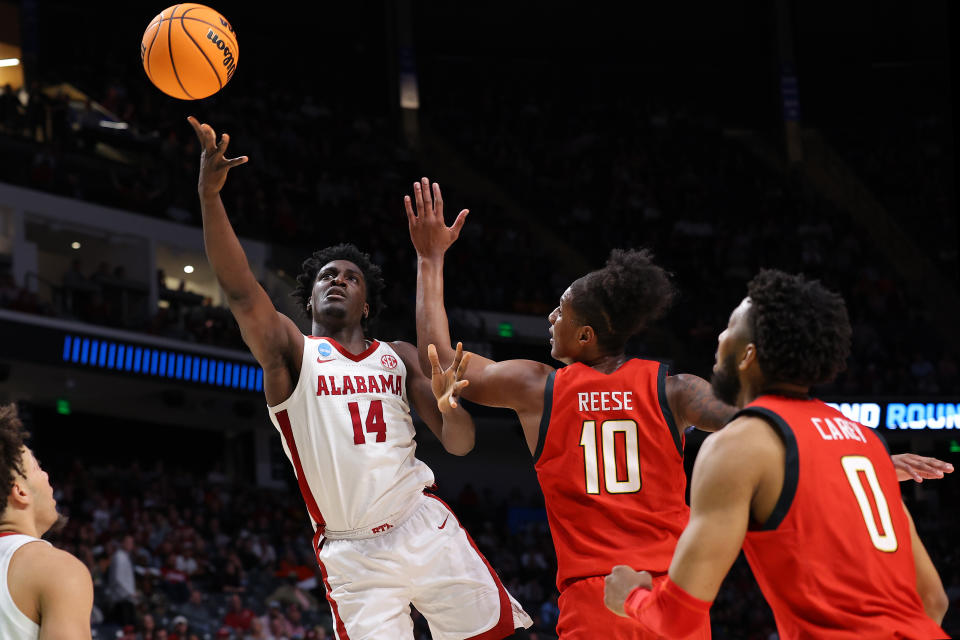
(47, 567)
(743, 438)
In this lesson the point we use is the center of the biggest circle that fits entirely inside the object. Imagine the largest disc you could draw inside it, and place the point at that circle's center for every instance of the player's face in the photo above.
(726, 374)
(38, 483)
(563, 330)
(339, 293)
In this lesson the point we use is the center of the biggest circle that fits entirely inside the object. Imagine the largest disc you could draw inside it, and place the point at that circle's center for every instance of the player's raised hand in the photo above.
(214, 165)
(919, 468)
(430, 235)
(618, 585)
(448, 383)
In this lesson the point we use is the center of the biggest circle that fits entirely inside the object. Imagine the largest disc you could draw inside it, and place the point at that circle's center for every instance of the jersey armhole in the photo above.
(545, 416)
(662, 373)
(882, 440)
(791, 472)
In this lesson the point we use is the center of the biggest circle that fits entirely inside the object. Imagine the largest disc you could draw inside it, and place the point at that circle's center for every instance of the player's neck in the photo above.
(18, 525)
(607, 363)
(350, 338)
(776, 389)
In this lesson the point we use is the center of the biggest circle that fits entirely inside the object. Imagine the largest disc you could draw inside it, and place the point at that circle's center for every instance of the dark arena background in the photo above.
(810, 136)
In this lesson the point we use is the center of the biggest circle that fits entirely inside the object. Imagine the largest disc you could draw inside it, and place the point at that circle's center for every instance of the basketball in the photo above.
(189, 51)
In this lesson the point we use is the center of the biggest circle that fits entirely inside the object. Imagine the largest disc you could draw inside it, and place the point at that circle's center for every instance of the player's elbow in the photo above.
(935, 602)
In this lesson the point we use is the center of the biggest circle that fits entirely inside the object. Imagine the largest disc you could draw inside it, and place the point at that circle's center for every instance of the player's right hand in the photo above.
(213, 164)
(447, 384)
(430, 235)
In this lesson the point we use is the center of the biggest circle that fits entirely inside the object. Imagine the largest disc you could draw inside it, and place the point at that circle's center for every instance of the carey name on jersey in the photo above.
(347, 385)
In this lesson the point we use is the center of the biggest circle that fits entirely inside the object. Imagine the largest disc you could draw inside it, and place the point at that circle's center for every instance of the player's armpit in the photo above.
(929, 585)
(721, 495)
(692, 402)
(65, 598)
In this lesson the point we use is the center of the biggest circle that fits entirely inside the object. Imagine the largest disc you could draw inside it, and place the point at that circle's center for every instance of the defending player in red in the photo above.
(817, 509)
(606, 431)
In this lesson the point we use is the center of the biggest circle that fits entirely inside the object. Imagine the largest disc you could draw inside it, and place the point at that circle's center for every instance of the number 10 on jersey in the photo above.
(608, 452)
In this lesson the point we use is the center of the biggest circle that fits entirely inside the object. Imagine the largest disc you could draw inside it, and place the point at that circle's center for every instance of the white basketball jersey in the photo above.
(347, 431)
(14, 624)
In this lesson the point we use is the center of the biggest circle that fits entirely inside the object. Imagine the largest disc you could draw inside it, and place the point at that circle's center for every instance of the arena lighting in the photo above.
(74, 245)
(108, 124)
(188, 268)
(9, 62)
(160, 363)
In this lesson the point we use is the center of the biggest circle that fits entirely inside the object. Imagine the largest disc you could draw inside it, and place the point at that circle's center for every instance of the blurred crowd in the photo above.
(586, 172)
(178, 555)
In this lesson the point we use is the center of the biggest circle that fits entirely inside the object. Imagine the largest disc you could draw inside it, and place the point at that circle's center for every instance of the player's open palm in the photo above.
(430, 235)
(448, 383)
(214, 165)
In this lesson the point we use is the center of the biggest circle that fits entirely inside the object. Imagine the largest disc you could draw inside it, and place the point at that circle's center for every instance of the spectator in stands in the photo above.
(290, 593)
(181, 628)
(197, 613)
(238, 616)
(121, 583)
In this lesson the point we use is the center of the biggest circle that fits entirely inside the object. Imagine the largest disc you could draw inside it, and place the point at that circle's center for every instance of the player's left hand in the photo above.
(618, 585)
(447, 384)
(919, 468)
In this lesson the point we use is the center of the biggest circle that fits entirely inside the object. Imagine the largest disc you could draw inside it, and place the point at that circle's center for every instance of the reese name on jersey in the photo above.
(838, 429)
(606, 401)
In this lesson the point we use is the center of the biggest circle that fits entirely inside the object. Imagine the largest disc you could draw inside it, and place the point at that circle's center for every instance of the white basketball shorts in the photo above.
(428, 560)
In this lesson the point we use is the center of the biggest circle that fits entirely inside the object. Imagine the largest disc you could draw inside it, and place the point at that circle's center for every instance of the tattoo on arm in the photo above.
(698, 406)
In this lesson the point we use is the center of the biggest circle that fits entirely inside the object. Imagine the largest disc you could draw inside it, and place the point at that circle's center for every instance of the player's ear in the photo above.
(366, 309)
(749, 357)
(586, 335)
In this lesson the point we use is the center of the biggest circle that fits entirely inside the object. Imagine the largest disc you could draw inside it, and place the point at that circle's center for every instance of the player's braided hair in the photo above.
(623, 297)
(372, 275)
(12, 436)
(801, 330)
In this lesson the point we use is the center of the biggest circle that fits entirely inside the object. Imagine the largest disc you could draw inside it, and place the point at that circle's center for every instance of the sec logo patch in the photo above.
(389, 362)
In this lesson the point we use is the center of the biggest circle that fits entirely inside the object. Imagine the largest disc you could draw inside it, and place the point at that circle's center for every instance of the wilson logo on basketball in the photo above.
(226, 24)
(228, 60)
(389, 362)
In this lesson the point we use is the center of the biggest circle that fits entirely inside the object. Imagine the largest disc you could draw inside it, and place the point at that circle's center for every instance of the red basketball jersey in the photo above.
(834, 560)
(610, 462)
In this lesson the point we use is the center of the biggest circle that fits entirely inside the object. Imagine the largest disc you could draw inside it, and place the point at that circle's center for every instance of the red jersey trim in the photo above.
(9, 533)
(341, 627)
(545, 416)
(662, 373)
(791, 472)
(284, 421)
(356, 357)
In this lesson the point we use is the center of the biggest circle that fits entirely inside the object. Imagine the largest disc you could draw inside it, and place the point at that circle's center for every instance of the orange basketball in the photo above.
(189, 51)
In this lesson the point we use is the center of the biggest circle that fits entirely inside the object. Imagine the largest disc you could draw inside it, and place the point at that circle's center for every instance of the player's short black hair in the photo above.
(623, 297)
(12, 436)
(800, 328)
(372, 275)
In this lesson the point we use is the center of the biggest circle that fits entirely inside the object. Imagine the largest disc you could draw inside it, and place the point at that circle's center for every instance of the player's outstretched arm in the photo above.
(721, 494)
(929, 585)
(910, 466)
(513, 384)
(272, 337)
(693, 403)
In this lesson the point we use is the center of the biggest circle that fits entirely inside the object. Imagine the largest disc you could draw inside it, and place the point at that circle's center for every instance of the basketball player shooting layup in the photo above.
(817, 510)
(340, 402)
(44, 592)
(606, 431)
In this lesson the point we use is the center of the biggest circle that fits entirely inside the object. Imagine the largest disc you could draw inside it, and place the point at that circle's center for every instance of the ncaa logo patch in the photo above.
(324, 349)
(389, 362)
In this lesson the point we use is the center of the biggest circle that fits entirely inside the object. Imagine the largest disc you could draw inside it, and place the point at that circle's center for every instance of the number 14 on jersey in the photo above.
(374, 422)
